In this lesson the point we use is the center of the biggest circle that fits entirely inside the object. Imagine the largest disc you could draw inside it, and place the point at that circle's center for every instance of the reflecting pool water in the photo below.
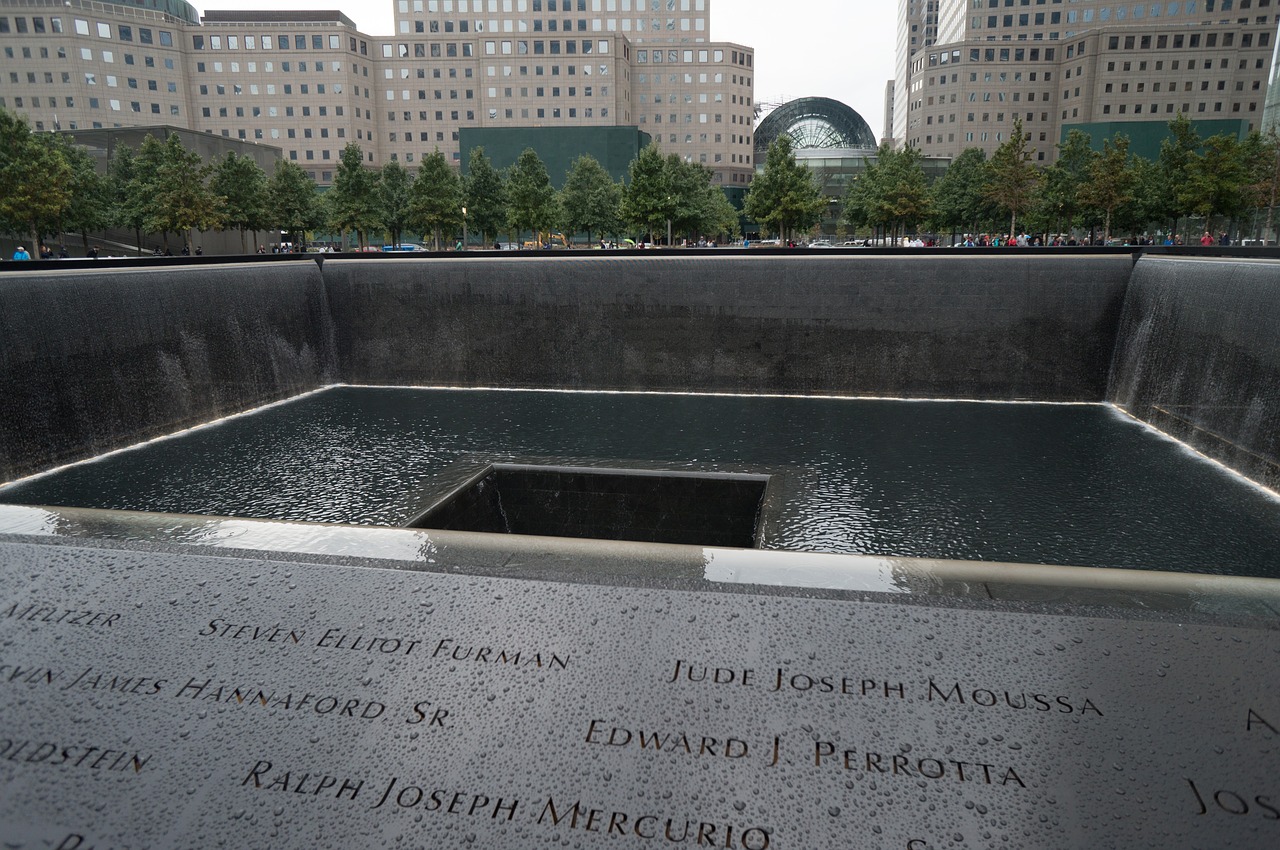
(1057, 484)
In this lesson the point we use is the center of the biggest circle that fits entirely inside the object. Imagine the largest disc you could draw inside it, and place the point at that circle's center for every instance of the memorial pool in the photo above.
(1080, 485)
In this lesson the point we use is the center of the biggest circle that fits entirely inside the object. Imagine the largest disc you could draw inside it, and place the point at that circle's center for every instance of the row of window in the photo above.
(94, 103)
(108, 56)
(270, 89)
(1179, 41)
(1186, 107)
(687, 56)
(265, 42)
(435, 7)
(286, 67)
(124, 32)
(639, 26)
(1106, 14)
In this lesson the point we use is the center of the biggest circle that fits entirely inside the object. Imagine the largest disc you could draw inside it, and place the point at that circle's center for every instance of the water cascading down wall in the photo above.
(95, 360)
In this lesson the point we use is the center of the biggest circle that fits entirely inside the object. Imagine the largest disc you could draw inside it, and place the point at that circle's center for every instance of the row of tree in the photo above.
(661, 193)
(49, 186)
(1110, 190)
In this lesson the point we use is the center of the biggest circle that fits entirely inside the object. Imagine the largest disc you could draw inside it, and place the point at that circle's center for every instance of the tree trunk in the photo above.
(1271, 208)
(1106, 229)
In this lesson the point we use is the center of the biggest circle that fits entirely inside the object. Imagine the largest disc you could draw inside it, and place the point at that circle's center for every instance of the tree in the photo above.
(892, 192)
(905, 195)
(353, 198)
(1177, 151)
(242, 185)
(647, 199)
(716, 215)
(91, 193)
(1111, 181)
(130, 203)
(395, 192)
(959, 196)
(435, 198)
(181, 197)
(486, 195)
(590, 199)
(1262, 152)
(785, 197)
(35, 180)
(292, 204)
(530, 196)
(1060, 202)
(1011, 176)
(1217, 179)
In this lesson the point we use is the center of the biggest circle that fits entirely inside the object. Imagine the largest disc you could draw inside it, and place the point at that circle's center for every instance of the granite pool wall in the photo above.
(97, 359)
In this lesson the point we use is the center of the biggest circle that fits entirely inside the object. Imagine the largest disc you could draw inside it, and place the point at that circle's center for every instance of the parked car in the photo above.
(821, 243)
(408, 247)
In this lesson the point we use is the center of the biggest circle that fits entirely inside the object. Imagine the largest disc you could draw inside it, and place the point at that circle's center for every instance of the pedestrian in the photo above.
(21, 254)
(94, 252)
(1224, 240)
(62, 252)
(1207, 239)
(46, 253)
(199, 250)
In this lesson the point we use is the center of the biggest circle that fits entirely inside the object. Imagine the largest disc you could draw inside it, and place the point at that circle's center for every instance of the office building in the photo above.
(1096, 65)
(310, 82)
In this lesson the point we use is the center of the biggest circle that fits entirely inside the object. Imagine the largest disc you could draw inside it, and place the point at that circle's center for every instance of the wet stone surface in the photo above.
(153, 699)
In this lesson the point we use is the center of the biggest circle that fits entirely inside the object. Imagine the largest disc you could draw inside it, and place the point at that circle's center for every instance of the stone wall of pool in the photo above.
(96, 360)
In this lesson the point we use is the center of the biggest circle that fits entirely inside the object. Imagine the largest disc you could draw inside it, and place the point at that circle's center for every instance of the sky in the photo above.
(842, 49)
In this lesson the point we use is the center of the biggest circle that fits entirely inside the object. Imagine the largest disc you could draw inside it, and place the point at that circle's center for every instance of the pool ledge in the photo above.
(625, 563)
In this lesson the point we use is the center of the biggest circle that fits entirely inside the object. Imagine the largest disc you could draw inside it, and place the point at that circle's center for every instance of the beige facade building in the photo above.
(310, 82)
(1101, 66)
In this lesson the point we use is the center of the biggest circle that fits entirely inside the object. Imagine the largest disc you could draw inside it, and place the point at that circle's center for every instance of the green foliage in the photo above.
(292, 203)
(1217, 179)
(1263, 155)
(1177, 151)
(1059, 205)
(395, 193)
(1111, 181)
(180, 195)
(486, 195)
(648, 202)
(435, 200)
(36, 181)
(959, 196)
(1011, 177)
(590, 199)
(126, 194)
(892, 193)
(531, 200)
(785, 198)
(242, 185)
(717, 215)
(352, 201)
(91, 209)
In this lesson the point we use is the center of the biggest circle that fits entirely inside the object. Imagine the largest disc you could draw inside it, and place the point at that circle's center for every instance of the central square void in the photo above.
(698, 509)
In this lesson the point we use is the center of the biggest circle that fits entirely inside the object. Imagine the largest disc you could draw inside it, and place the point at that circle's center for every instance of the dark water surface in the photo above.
(1053, 484)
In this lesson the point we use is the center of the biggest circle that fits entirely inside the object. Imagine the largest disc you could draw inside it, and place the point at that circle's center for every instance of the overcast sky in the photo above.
(840, 49)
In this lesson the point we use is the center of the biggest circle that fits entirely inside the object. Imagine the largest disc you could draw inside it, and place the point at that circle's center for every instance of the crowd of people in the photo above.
(980, 240)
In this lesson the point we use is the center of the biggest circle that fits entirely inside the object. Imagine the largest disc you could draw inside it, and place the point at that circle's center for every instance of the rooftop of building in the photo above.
(277, 16)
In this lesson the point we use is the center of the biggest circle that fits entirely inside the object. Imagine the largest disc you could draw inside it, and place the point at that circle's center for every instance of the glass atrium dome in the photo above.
(814, 123)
